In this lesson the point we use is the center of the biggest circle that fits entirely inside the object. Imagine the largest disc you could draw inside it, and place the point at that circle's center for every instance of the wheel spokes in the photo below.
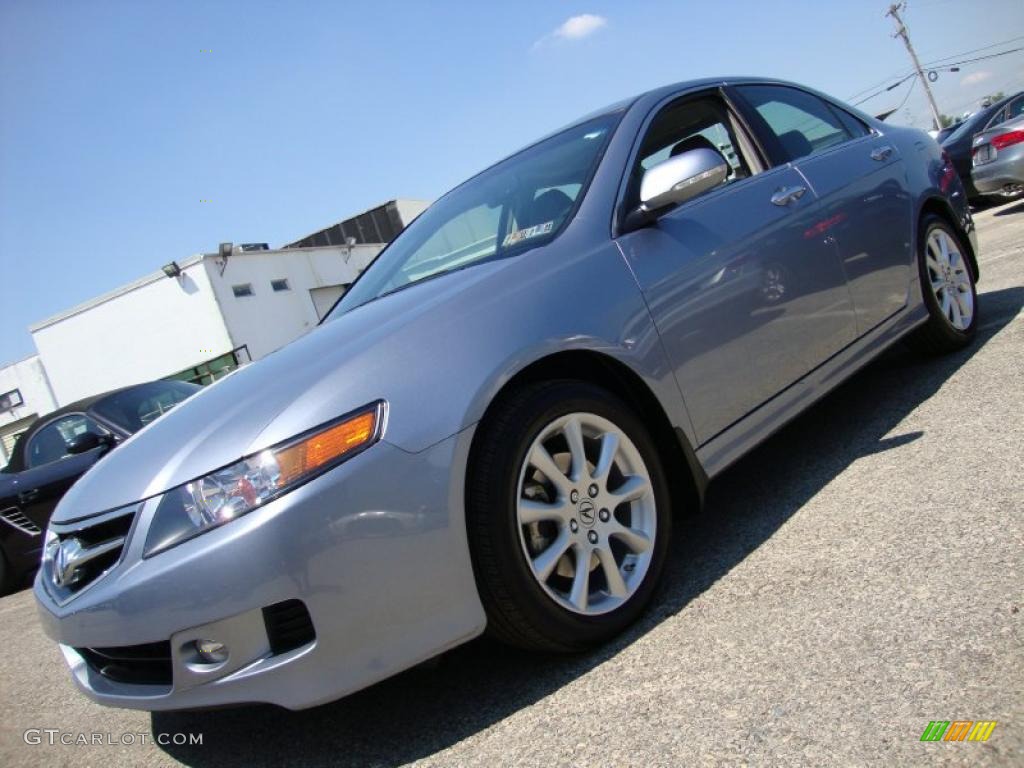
(542, 461)
(612, 574)
(954, 306)
(573, 432)
(637, 541)
(579, 595)
(532, 511)
(609, 447)
(635, 488)
(546, 561)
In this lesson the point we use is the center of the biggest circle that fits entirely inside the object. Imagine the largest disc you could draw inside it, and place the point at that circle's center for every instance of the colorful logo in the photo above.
(958, 730)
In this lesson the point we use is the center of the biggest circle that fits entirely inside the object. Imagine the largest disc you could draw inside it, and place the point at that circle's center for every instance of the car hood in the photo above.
(337, 367)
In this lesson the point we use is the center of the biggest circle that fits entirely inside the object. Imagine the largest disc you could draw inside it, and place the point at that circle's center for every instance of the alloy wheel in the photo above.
(586, 513)
(950, 279)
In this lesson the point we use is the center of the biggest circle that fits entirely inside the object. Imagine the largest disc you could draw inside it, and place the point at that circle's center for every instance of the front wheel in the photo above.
(567, 516)
(948, 290)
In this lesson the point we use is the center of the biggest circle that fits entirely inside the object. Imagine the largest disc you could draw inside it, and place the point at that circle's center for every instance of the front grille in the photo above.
(84, 551)
(289, 626)
(148, 664)
(14, 516)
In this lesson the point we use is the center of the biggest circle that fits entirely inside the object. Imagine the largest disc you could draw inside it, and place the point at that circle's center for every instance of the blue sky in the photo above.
(115, 121)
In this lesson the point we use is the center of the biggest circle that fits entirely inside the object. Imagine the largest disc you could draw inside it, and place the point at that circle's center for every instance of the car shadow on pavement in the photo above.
(431, 707)
(1010, 209)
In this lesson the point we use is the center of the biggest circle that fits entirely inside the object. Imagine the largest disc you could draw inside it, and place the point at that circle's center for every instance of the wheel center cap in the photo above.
(587, 513)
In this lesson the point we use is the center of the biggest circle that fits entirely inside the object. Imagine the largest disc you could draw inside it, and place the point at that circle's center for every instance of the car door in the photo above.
(50, 469)
(858, 176)
(745, 297)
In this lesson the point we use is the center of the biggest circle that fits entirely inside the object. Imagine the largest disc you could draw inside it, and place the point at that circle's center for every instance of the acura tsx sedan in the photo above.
(496, 427)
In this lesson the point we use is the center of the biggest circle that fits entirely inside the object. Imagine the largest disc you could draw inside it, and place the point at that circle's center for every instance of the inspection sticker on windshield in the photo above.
(525, 234)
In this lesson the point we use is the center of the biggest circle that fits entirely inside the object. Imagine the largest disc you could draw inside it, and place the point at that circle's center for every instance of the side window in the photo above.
(803, 124)
(1015, 108)
(701, 123)
(853, 125)
(51, 442)
(997, 119)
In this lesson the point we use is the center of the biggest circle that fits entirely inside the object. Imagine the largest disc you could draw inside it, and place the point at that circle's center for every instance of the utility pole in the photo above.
(901, 32)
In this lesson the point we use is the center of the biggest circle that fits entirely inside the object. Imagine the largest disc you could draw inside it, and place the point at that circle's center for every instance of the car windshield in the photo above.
(135, 407)
(518, 204)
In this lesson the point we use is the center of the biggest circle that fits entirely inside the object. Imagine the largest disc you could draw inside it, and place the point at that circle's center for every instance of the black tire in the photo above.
(519, 611)
(937, 336)
(6, 577)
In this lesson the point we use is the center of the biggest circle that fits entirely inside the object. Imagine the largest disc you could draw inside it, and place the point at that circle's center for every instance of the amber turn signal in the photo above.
(326, 446)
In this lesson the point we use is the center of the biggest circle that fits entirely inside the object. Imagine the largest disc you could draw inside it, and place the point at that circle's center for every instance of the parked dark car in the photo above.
(58, 449)
(948, 131)
(958, 144)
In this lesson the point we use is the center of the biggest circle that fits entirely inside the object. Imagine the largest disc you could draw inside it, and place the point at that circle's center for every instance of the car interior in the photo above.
(702, 123)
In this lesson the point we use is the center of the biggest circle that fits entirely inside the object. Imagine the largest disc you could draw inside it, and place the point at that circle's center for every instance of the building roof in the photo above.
(377, 225)
(152, 277)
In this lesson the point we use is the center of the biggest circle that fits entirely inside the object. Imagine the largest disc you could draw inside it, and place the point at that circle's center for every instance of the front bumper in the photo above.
(375, 549)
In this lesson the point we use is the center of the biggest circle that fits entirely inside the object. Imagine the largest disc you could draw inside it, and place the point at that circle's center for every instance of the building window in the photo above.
(211, 370)
(280, 285)
(9, 400)
(245, 289)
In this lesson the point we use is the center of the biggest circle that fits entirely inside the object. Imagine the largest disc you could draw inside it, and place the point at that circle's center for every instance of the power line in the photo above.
(907, 96)
(895, 85)
(940, 63)
(944, 66)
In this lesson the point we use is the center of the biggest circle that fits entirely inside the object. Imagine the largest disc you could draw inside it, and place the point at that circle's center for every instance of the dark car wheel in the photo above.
(948, 289)
(6, 577)
(568, 516)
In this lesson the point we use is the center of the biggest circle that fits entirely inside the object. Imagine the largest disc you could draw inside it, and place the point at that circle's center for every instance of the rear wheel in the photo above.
(948, 290)
(6, 578)
(567, 516)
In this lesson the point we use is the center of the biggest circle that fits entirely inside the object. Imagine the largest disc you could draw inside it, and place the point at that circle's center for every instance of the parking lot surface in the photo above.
(856, 577)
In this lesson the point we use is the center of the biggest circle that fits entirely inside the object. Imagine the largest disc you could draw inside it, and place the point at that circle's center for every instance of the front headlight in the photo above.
(221, 496)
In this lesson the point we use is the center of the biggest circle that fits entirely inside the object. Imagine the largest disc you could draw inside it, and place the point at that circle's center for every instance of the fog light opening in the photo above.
(211, 652)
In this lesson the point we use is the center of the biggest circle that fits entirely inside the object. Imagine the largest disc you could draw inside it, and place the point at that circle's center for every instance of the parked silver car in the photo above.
(495, 427)
(997, 156)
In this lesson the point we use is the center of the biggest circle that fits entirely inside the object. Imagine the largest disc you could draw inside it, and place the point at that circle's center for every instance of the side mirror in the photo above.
(675, 181)
(87, 441)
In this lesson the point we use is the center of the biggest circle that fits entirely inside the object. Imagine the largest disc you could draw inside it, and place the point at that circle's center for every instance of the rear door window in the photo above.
(801, 123)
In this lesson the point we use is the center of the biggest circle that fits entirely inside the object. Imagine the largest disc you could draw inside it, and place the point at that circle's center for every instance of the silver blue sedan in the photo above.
(496, 427)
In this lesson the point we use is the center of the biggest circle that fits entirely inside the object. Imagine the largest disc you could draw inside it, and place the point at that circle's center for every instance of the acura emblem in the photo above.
(586, 510)
(71, 555)
(66, 561)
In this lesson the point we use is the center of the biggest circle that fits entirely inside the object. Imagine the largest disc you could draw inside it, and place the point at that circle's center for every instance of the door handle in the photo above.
(787, 195)
(881, 153)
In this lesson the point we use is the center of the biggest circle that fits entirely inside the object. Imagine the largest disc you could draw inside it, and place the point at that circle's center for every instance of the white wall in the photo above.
(410, 209)
(267, 320)
(151, 329)
(28, 377)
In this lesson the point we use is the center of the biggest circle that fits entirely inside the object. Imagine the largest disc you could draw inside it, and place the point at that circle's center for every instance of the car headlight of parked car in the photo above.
(230, 492)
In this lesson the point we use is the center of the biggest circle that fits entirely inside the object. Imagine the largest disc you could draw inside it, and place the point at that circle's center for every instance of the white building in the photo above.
(25, 394)
(203, 316)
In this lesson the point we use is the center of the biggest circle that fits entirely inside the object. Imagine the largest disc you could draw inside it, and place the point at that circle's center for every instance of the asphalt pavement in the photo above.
(857, 576)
